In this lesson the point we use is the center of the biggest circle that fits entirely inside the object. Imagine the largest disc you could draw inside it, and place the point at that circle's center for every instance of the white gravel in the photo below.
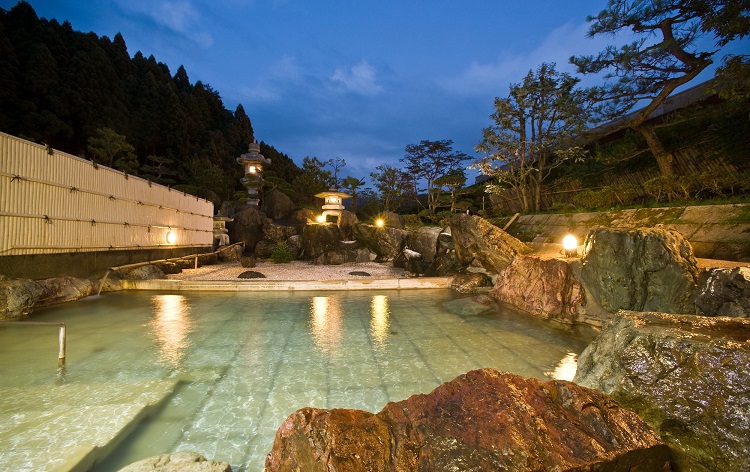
(296, 270)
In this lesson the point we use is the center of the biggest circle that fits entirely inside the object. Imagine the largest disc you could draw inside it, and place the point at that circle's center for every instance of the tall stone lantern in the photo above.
(253, 162)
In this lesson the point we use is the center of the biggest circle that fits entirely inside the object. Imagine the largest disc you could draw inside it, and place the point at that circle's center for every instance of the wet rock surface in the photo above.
(177, 462)
(686, 375)
(724, 292)
(19, 297)
(476, 238)
(544, 287)
(640, 269)
(480, 421)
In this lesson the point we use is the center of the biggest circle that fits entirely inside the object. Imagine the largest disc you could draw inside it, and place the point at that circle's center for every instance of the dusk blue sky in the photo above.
(358, 80)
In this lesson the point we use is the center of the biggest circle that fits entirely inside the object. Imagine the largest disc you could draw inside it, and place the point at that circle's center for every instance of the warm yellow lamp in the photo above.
(570, 245)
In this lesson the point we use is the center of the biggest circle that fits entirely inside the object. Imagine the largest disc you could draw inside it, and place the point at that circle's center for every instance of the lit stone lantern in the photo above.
(334, 204)
(253, 162)
(221, 234)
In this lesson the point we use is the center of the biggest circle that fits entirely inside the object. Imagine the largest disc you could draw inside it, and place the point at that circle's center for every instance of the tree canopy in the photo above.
(665, 55)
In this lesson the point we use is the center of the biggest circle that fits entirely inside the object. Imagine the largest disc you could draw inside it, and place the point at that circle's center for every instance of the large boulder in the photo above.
(247, 227)
(424, 240)
(386, 243)
(18, 297)
(471, 282)
(476, 238)
(411, 261)
(346, 223)
(319, 238)
(177, 462)
(445, 263)
(231, 253)
(347, 251)
(724, 292)
(65, 289)
(647, 269)
(276, 205)
(274, 231)
(544, 287)
(481, 421)
(686, 375)
(392, 220)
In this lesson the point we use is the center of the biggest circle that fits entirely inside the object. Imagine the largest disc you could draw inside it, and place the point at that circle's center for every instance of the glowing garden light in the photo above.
(570, 245)
(379, 223)
(320, 218)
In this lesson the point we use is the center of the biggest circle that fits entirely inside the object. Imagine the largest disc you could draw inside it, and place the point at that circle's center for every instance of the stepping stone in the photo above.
(360, 273)
(251, 274)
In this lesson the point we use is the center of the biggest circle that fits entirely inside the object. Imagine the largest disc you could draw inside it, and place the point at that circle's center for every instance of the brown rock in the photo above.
(481, 421)
(545, 287)
(724, 292)
(346, 223)
(386, 243)
(471, 282)
(476, 238)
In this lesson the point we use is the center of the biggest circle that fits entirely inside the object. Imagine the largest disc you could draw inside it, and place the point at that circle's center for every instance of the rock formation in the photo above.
(18, 297)
(424, 240)
(686, 375)
(247, 227)
(277, 205)
(724, 292)
(386, 243)
(346, 223)
(480, 421)
(392, 220)
(641, 270)
(346, 251)
(471, 283)
(476, 238)
(543, 287)
(319, 239)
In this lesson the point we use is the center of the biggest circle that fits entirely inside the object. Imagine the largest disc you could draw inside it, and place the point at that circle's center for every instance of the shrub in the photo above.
(282, 253)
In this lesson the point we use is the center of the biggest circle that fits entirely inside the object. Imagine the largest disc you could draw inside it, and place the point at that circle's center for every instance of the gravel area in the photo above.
(305, 270)
(296, 270)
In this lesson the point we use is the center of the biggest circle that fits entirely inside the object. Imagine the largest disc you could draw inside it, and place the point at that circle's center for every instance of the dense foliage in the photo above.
(85, 95)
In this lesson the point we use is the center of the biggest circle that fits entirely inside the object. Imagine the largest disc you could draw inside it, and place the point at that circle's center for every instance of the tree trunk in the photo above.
(663, 157)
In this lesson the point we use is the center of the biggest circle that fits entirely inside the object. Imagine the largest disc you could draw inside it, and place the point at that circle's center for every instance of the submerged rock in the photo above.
(640, 269)
(544, 287)
(686, 375)
(177, 462)
(724, 292)
(476, 238)
(471, 282)
(481, 421)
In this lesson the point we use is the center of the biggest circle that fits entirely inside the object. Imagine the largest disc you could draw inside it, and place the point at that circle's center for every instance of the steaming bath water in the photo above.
(222, 371)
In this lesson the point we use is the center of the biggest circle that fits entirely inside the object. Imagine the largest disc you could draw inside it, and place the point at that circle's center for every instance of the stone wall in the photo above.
(714, 231)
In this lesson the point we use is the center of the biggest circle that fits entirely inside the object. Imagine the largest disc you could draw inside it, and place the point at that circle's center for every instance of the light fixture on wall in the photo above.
(171, 237)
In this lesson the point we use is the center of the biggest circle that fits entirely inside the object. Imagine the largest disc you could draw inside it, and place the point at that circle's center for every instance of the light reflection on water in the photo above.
(325, 323)
(170, 327)
(566, 368)
(379, 324)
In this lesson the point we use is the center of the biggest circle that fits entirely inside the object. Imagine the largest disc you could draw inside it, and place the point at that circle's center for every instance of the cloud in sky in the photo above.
(359, 78)
(179, 16)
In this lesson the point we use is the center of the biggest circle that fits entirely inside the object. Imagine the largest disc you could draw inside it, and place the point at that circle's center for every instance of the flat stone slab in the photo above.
(69, 427)
(260, 285)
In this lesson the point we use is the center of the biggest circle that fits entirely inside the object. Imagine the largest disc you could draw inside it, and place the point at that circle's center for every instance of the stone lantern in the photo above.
(253, 162)
(221, 236)
(333, 204)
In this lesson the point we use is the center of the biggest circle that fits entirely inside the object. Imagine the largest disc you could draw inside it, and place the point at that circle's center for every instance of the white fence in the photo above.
(52, 202)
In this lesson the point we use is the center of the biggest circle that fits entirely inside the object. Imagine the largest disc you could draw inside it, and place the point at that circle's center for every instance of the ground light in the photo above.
(570, 245)
(379, 223)
(321, 218)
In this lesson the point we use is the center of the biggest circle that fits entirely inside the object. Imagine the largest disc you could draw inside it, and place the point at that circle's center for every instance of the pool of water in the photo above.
(240, 363)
